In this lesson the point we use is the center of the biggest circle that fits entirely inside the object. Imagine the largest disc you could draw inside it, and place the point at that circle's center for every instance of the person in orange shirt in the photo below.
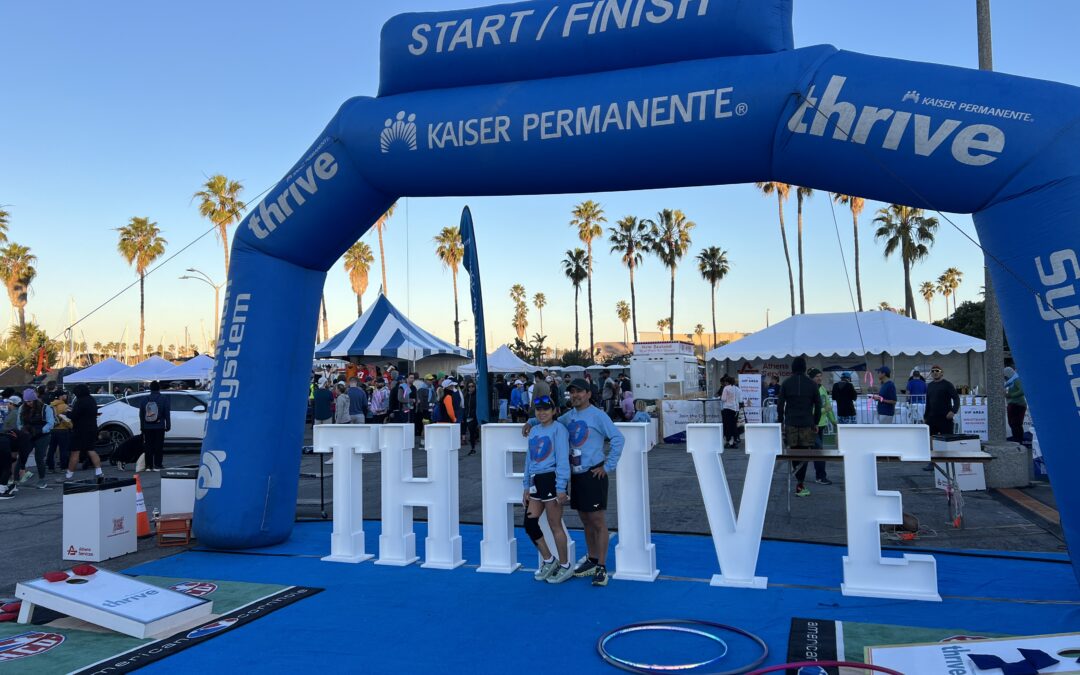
(451, 403)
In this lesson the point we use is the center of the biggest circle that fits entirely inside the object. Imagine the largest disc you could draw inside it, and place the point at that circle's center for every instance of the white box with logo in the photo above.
(99, 519)
(114, 601)
(969, 475)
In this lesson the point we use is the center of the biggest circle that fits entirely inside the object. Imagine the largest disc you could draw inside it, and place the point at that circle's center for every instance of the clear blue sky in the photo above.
(121, 109)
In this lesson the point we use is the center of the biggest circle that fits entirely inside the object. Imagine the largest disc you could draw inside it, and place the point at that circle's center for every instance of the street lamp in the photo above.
(205, 278)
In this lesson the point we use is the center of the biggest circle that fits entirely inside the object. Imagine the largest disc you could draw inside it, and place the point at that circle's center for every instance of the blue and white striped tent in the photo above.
(384, 332)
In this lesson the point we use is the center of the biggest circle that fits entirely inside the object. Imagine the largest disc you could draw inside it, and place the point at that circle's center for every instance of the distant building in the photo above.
(605, 351)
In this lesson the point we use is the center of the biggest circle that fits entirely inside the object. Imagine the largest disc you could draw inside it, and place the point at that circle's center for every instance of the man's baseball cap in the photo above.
(448, 383)
(884, 370)
(845, 376)
(936, 367)
(813, 372)
(15, 400)
(579, 383)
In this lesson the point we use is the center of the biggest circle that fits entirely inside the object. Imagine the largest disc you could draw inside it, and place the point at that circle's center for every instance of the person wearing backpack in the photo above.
(38, 420)
(154, 421)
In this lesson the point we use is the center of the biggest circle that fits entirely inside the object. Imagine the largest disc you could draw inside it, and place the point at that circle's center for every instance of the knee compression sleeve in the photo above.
(532, 528)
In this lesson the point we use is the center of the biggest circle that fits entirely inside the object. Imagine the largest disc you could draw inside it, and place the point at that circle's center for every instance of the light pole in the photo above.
(205, 278)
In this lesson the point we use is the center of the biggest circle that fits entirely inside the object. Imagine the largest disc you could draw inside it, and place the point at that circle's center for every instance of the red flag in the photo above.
(40, 360)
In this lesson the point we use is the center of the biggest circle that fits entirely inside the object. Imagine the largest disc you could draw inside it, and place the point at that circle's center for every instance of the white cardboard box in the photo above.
(99, 519)
(969, 475)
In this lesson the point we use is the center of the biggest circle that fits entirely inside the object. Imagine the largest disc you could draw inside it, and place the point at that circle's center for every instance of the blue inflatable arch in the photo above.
(556, 96)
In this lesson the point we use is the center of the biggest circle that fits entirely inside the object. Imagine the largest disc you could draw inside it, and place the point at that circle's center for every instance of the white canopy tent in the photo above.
(199, 368)
(858, 341)
(153, 368)
(99, 372)
(502, 360)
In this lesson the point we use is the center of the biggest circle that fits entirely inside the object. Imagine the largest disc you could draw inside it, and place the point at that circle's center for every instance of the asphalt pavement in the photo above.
(31, 522)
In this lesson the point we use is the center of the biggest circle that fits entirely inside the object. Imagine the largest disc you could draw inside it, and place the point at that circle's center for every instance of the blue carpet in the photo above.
(377, 619)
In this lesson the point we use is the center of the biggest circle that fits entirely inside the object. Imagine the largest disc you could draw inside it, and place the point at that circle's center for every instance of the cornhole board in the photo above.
(952, 658)
(114, 601)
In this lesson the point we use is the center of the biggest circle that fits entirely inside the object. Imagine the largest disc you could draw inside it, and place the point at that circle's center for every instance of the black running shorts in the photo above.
(543, 487)
(587, 492)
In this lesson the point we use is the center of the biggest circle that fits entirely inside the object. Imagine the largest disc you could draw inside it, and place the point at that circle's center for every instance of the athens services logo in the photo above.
(398, 130)
(211, 628)
(28, 644)
(195, 588)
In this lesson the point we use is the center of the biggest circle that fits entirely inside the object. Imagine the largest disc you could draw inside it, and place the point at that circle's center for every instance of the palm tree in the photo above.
(699, 330)
(140, 245)
(856, 204)
(628, 238)
(782, 190)
(540, 302)
(953, 277)
(713, 265)
(928, 291)
(907, 230)
(663, 325)
(575, 267)
(450, 252)
(521, 310)
(325, 320)
(380, 227)
(801, 194)
(97, 347)
(587, 217)
(358, 261)
(17, 271)
(945, 288)
(220, 203)
(4, 220)
(669, 239)
(622, 310)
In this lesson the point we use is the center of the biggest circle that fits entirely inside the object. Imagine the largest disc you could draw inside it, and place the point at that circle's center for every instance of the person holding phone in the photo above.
(547, 471)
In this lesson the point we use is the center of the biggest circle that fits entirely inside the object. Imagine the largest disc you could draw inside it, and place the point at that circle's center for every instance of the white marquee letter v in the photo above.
(737, 540)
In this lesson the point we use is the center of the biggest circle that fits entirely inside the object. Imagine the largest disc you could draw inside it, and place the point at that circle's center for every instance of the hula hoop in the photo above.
(642, 670)
(827, 664)
(661, 667)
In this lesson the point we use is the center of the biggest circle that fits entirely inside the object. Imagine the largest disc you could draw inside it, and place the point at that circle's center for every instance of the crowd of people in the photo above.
(41, 422)
(372, 395)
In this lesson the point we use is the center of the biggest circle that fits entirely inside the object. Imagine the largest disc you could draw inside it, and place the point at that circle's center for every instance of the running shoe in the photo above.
(561, 574)
(823, 481)
(585, 569)
(600, 578)
(43, 484)
(546, 570)
(27, 476)
(802, 492)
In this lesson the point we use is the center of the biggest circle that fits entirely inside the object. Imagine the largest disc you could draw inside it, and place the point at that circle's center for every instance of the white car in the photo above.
(120, 418)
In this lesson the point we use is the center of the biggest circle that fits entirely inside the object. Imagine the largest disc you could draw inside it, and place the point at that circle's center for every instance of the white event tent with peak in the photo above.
(853, 341)
(502, 360)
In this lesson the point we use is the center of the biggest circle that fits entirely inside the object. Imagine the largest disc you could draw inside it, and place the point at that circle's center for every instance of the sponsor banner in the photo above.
(541, 39)
(663, 348)
(677, 413)
(150, 652)
(828, 640)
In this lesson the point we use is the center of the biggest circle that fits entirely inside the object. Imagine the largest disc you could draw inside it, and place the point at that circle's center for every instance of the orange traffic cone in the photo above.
(141, 519)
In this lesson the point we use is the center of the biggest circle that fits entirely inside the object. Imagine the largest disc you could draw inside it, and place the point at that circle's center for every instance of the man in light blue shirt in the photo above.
(589, 428)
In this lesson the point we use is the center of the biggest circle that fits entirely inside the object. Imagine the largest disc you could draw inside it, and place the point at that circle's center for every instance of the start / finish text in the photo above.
(565, 19)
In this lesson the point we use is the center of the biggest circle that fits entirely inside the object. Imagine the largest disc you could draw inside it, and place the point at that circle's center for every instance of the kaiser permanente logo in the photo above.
(401, 132)
(970, 144)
